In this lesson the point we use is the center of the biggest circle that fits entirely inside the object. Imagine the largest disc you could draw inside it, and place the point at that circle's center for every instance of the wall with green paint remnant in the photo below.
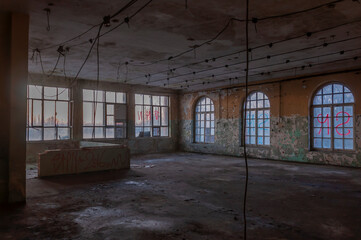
(290, 126)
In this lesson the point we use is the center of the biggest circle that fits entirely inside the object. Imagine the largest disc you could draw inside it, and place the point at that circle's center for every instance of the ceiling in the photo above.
(145, 50)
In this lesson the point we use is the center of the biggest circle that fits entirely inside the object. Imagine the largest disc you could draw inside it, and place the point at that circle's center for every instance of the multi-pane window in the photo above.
(151, 116)
(258, 119)
(204, 121)
(48, 113)
(104, 114)
(332, 118)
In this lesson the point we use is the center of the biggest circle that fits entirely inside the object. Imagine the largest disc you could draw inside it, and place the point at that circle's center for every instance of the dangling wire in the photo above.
(118, 72)
(98, 77)
(64, 66)
(47, 18)
(244, 128)
(126, 72)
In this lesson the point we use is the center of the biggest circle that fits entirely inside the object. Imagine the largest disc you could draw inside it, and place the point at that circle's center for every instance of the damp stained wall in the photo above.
(290, 126)
(140, 145)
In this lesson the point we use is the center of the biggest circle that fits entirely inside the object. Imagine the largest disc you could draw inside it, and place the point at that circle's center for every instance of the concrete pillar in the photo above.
(14, 32)
(131, 115)
(77, 112)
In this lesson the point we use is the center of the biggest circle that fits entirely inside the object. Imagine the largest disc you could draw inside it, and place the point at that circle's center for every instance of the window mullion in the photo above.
(42, 117)
(332, 128)
(55, 123)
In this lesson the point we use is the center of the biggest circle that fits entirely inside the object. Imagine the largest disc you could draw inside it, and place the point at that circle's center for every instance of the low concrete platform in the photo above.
(191, 196)
(88, 159)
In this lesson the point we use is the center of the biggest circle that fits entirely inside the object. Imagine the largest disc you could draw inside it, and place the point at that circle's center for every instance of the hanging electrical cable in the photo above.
(244, 129)
(253, 20)
(279, 64)
(355, 58)
(308, 34)
(47, 10)
(129, 4)
(258, 59)
(98, 75)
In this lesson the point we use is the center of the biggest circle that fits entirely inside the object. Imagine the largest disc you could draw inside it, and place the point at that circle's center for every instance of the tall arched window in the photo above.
(204, 121)
(332, 118)
(258, 119)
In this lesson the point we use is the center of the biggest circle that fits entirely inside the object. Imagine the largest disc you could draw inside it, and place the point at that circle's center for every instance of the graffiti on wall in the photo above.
(327, 122)
(147, 115)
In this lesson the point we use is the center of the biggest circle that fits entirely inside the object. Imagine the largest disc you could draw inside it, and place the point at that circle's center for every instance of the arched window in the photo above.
(258, 119)
(204, 121)
(332, 118)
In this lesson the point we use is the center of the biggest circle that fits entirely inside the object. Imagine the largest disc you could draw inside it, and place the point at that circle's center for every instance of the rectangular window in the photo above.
(48, 113)
(104, 114)
(151, 116)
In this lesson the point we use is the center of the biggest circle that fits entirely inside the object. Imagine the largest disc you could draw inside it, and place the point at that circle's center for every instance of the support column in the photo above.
(14, 31)
(77, 112)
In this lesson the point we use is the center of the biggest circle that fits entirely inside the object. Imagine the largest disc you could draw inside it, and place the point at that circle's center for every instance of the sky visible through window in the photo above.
(333, 118)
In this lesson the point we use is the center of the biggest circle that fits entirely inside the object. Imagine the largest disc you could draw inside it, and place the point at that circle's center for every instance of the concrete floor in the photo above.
(191, 196)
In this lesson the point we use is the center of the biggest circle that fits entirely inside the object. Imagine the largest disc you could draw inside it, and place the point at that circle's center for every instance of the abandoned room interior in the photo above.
(180, 119)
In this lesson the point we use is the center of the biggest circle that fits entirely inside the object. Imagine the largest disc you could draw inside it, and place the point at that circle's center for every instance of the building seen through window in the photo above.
(48, 113)
(151, 116)
(104, 114)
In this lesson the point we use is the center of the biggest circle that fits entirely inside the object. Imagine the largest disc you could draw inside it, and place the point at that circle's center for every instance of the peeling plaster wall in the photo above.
(290, 126)
(136, 145)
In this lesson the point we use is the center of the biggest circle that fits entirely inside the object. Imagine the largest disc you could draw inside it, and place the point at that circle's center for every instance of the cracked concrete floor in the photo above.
(191, 196)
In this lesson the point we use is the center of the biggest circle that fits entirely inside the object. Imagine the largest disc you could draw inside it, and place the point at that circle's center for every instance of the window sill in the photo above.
(257, 146)
(103, 139)
(49, 141)
(333, 151)
(164, 137)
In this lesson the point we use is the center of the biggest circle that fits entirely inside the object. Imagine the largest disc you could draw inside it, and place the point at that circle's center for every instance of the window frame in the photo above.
(152, 106)
(105, 125)
(43, 99)
(244, 115)
(332, 128)
(204, 124)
